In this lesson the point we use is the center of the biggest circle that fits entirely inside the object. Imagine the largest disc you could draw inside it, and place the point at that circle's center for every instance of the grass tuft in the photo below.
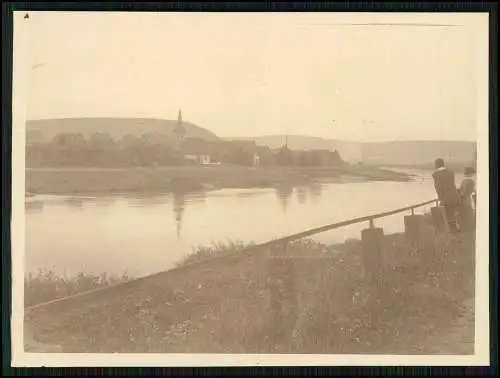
(46, 286)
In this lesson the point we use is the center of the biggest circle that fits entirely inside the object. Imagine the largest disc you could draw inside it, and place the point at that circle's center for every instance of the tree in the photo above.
(66, 149)
(101, 150)
(266, 156)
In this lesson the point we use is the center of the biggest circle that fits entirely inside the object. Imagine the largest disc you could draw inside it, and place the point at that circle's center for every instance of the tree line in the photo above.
(101, 150)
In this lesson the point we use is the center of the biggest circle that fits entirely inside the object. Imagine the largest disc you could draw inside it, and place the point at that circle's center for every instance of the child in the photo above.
(467, 201)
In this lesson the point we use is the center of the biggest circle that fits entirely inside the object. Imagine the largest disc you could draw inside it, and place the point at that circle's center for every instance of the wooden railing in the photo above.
(368, 218)
(279, 242)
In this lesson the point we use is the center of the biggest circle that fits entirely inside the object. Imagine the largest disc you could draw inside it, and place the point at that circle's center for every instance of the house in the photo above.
(196, 151)
(256, 159)
(196, 158)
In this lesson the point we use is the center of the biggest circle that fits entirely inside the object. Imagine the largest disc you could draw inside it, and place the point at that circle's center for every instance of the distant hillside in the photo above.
(382, 153)
(418, 152)
(117, 127)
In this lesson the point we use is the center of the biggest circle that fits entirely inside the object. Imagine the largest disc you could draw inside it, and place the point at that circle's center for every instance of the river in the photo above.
(146, 235)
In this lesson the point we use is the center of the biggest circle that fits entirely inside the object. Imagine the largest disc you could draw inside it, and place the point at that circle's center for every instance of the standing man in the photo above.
(444, 182)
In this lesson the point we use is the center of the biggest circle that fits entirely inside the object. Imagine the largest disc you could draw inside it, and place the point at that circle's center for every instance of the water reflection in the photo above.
(104, 201)
(121, 237)
(283, 193)
(301, 195)
(252, 194)
(33, 206)
(315, 190)
(74, 202)
(198, 197)
(146, 201)
(179, 204)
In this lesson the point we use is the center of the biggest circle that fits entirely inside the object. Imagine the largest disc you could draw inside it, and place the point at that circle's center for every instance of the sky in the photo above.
(248, 74)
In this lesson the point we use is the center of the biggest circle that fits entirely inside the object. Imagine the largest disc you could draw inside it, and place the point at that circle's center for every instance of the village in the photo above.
(167, 149)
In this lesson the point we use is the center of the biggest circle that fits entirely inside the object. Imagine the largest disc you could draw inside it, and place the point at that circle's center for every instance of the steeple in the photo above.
(179, 130)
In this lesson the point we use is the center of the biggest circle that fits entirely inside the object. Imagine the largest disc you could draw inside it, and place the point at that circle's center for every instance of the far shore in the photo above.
(456, 167)
(154, 180)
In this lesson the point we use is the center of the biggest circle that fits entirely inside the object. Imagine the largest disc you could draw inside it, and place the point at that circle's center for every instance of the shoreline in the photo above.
(101, 181)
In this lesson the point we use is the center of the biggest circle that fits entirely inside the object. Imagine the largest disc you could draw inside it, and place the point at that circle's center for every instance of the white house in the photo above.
(256, 159)
(198, 158)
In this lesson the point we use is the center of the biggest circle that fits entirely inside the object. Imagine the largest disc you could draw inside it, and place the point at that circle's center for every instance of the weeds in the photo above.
(46, 285)
(216, 249)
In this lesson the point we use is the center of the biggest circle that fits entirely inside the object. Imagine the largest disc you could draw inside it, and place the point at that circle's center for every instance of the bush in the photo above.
(47, 286)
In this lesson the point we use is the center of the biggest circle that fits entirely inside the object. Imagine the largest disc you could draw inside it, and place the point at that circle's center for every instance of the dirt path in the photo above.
(458, 338)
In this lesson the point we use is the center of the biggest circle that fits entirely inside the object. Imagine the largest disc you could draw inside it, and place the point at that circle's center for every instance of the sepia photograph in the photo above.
(250, 188)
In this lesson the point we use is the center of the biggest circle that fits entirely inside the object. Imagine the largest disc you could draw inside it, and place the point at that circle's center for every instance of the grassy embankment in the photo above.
(157, 180)
(226, 306)
(45, 285)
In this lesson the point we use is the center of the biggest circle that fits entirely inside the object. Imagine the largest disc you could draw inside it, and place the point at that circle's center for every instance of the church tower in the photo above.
(179, 130)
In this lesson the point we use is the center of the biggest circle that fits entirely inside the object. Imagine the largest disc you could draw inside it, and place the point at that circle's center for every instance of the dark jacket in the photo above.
(444, 182)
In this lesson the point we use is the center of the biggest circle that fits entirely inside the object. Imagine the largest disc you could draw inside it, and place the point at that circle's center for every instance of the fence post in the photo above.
(412, 226)
(372, 239)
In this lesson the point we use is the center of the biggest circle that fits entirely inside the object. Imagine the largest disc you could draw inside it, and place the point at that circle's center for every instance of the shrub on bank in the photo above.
(216, 249)
(46, 286)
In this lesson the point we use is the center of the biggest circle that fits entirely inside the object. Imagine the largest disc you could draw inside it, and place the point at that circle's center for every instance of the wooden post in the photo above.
(372, 247)
(412, 227)
(437, 218)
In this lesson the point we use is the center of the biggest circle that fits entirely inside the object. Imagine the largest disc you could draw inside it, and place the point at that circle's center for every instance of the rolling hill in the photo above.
(380, 153)
(408, 153)
(46, 129)
(419, 152)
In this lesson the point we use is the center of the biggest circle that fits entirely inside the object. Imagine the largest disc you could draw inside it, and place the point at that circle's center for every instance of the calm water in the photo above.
(147, 235)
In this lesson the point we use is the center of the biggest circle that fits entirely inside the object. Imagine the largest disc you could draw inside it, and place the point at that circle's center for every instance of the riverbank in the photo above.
(186, 179)
(456, 167)
(226, 305)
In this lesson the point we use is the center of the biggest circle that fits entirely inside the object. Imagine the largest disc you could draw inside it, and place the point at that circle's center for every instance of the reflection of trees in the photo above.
(301, 195)
(315, 190)
(76, 203)
(104, 201)
(197, 197)
(284, 192)
(150, 200)
(178, 207)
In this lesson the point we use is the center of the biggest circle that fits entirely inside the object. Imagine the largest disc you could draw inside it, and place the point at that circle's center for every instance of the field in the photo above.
(156, 180)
